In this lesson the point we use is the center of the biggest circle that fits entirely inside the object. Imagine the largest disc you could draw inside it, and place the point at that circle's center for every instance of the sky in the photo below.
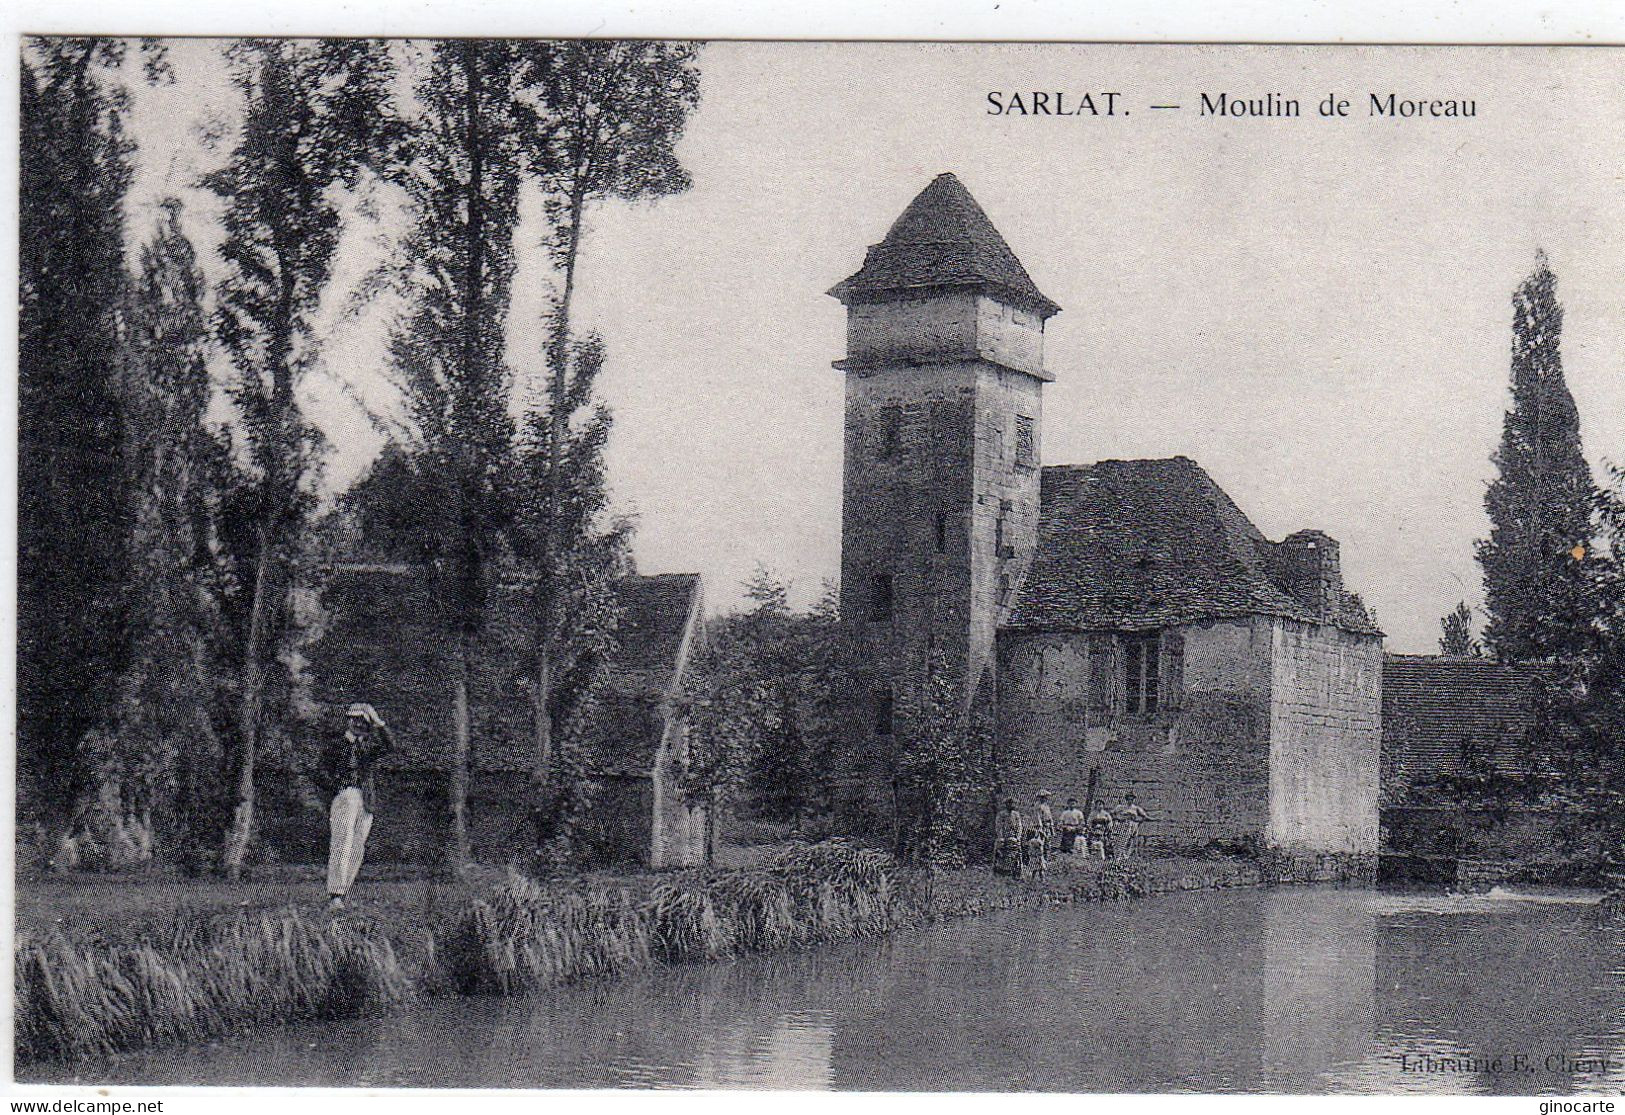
(1316, 310)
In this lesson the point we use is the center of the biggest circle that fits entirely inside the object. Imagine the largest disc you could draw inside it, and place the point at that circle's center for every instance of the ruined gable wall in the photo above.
(679, 828)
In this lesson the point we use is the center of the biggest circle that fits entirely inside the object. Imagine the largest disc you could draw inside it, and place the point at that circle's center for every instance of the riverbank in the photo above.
(969, 892)
(109, 967)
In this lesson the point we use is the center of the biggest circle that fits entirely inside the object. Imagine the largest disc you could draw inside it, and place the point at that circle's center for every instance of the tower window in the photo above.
(1026, 442)
(1140, 670)
(883, 711)
(1004, 589)
(942, 532)
(880, 598)
(1002, 548)
(891, 431)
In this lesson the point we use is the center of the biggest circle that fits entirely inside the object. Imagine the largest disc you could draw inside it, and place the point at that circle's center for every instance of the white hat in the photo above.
(367, 713)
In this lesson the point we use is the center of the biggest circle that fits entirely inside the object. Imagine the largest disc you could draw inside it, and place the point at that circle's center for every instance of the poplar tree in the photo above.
(314, 115)
(73, 507)
(1536, 561)
(469, 153)
(168, 756)
(612, 113)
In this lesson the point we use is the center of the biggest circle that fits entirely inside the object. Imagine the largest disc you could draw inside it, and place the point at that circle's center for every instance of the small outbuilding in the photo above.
(378, 644)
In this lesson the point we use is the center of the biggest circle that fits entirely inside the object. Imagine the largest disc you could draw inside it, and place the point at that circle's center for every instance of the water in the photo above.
(1288, 990)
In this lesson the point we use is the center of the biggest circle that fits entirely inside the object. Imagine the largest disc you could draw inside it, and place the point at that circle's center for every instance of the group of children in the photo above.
(1104, 834)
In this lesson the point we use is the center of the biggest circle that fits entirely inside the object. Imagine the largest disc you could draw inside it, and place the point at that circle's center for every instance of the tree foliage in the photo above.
(609, 114)
(74, 507)
(160, 597)
(1538, 558)
(767, 702)
(469, 150)
(314, 115)
(942, 767)
(1593, 691)
(167, 759)
(569, 551)
(1456, 633)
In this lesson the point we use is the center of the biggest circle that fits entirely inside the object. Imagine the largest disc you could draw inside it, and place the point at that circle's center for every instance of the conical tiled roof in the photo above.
(943, 239)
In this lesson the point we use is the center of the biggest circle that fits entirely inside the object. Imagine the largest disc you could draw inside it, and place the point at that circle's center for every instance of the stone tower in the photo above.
(944, 375)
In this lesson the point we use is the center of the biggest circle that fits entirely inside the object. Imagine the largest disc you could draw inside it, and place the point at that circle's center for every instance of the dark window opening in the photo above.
(1026, 441)
(880, 597)
(1004, 589)
(1001, 545)
(883, 712)
(891, 431)
(1140, 670)
(942, 532)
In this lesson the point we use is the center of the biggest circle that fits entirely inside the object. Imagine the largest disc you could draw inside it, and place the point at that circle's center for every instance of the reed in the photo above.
(84, 999)
(204, 974)
(686, 921)
(527, 935)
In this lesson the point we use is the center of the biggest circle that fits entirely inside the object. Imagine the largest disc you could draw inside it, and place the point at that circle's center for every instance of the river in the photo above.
(1272, 990)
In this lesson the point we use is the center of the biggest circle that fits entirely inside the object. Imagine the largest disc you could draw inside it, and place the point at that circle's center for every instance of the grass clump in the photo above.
(529, 935)
(526, 936)
(77, 999)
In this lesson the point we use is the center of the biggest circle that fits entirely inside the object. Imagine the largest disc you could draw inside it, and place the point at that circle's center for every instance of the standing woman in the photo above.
(349, 769)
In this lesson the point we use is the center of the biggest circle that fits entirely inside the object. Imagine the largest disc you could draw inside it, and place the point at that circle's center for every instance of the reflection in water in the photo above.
(1290, 990)
(1493, 996)
(1319, 972)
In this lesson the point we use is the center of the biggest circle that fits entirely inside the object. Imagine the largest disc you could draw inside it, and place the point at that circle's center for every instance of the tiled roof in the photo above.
(1434, 707)
(943, 239)
(1133, 545)
(655, 612)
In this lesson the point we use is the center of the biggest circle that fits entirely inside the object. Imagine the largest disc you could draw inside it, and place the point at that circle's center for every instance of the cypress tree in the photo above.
(1536, 561)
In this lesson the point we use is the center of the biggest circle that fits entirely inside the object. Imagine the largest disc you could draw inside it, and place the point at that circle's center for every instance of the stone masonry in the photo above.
(1123, 617)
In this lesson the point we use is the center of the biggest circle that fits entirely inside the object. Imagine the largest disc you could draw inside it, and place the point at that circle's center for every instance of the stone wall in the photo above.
(934, 498)
(1198, 766)
(1325, 738)
(931, 474)
(947, 326)
(891, 503)
(1006, 491)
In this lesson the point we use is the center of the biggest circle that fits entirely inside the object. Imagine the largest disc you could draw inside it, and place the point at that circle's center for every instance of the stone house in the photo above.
(379, 646)
(1123, 617)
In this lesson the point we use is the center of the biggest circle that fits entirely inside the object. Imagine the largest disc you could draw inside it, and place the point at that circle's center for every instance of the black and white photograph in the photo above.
(910, 567)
